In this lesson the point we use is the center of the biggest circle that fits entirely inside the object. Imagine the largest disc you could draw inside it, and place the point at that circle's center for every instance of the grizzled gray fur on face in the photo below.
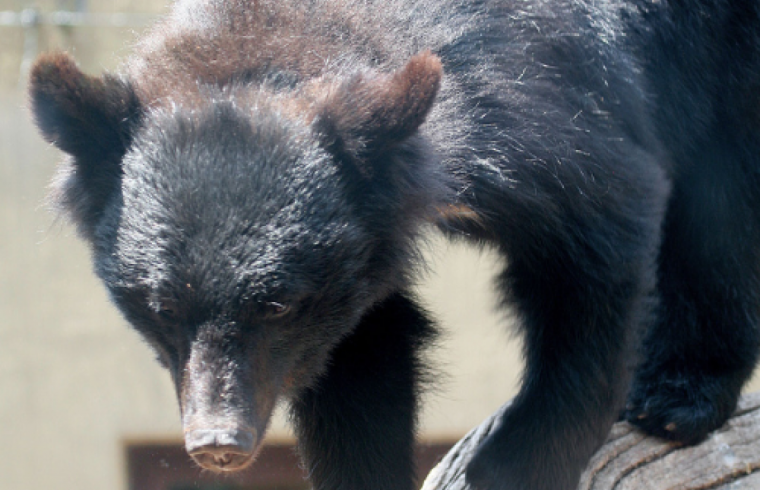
(255, 178)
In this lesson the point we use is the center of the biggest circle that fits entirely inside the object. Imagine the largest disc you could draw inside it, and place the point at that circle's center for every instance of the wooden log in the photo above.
(728, 460)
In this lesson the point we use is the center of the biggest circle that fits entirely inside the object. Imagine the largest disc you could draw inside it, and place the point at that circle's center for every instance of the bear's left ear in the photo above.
(369, 115)
(87, 117)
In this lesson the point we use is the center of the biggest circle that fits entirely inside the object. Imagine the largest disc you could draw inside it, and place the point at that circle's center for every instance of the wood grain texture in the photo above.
(728, 460)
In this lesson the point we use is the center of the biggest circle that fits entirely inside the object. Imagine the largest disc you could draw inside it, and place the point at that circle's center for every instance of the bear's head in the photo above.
(243, 230)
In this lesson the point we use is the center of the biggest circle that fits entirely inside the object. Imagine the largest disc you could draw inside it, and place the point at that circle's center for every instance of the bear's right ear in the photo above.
(91, 119)
(86, 117)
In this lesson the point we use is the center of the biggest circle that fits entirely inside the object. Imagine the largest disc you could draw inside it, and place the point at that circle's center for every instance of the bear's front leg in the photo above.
(579, 314)
(356, 426)
(705, 341)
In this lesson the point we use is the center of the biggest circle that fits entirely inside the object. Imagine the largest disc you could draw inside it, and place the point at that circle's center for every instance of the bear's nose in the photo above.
(221, 449)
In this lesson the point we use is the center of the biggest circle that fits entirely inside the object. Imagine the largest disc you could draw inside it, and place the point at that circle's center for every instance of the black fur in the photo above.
(372, 383)
(704, 343)
(254, 183)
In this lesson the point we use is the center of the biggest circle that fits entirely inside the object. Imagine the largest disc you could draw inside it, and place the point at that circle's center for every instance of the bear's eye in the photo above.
(274, 310)
(167, 310)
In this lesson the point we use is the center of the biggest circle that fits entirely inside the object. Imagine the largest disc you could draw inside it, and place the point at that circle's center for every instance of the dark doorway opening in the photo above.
(166, 466)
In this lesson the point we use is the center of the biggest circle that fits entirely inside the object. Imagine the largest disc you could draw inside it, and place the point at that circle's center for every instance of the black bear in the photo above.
(255, 179)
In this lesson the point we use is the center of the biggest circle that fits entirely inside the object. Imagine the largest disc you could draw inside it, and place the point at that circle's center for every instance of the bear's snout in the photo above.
(222, 450)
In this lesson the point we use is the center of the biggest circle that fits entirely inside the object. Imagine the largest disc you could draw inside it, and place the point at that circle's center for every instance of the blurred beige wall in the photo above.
(76, 382)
